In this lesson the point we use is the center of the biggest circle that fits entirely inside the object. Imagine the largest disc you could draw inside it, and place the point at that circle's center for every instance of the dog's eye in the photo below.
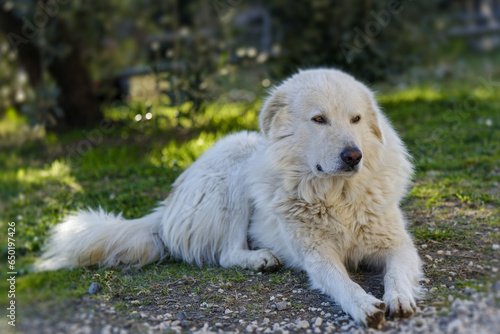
(319, 119)
(355, 119)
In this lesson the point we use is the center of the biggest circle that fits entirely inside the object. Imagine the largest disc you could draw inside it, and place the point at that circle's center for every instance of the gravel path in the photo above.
(479, 314)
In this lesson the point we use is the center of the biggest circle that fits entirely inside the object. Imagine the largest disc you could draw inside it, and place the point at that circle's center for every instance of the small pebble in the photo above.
(281, 306)
(95, 288)
(303, 324)
(419, 322)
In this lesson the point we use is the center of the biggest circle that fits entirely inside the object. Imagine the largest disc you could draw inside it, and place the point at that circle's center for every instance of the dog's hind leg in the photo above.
(236, 251)
(260, 260)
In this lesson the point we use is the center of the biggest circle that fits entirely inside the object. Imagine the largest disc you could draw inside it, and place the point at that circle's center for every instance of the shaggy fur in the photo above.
(284, 196)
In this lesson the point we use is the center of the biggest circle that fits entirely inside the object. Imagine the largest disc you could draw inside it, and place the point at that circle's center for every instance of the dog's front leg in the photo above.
(329, 274)
(402, 272)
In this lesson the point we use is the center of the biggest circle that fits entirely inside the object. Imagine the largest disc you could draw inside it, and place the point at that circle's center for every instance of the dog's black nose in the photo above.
(351, 156)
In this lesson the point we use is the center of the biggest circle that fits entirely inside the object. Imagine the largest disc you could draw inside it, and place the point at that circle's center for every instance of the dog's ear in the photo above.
(374, 115)
(374, 123)
(375, 128)
(272, 112)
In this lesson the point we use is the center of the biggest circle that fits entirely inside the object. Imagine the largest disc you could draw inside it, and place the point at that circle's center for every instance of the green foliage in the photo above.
(370, 39)
(190, 49)
(13, 84)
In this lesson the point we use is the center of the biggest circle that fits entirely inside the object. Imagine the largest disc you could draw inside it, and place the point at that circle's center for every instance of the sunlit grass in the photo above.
(58, 171)
(412, 94)
(180, 155)
(222, 117)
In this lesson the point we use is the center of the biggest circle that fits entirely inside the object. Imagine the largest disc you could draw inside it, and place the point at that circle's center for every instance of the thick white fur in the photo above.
(259, 201)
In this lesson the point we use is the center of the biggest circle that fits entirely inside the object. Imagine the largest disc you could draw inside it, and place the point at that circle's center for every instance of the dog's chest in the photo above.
(344, 227)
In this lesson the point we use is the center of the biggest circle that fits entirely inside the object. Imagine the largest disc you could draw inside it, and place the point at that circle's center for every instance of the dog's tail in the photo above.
(95, 237)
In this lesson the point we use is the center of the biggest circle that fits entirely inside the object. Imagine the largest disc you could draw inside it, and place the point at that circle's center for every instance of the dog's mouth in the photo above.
(351, 169)
(345, 170)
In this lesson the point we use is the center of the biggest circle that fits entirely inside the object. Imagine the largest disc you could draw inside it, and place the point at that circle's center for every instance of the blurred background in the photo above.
(105, 103)
(63, 63)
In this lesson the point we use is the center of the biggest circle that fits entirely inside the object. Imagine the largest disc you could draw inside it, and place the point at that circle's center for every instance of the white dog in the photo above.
(318, 189)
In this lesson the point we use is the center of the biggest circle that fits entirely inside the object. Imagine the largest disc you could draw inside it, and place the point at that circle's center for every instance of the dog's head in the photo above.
(325, 120)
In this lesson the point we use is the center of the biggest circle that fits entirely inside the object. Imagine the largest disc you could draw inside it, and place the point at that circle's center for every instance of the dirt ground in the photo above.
(458, 267)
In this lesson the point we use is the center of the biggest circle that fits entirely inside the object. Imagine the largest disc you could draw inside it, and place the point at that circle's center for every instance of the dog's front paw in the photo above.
(369, 311)
(264, 260)
(400, 305)
(377, 318)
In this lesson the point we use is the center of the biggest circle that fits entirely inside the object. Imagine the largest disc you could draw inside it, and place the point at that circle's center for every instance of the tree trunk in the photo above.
(79, 103)
(81, 106)
(27, 51)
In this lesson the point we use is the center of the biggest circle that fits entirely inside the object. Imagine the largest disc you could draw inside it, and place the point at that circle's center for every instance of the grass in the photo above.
(452, 133)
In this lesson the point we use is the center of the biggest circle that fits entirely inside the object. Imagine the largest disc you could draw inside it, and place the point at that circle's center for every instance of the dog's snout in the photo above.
(351, 156)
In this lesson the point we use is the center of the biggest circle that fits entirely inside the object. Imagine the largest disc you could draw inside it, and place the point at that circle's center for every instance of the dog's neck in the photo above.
(329, 190)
